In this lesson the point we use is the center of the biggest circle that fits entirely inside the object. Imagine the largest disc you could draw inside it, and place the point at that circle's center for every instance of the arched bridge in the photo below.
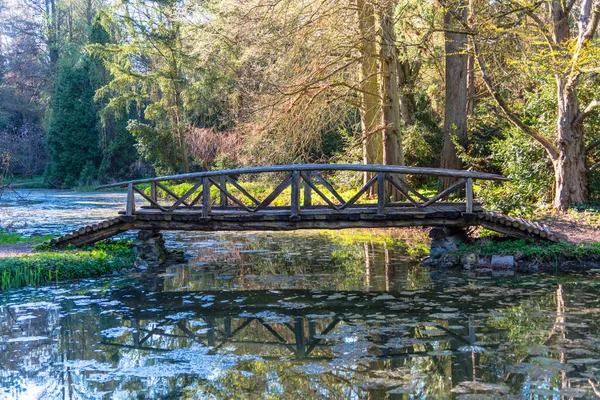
(302, 196)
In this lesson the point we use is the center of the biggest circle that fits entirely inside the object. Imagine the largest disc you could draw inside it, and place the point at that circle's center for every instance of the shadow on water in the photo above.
(301, 315)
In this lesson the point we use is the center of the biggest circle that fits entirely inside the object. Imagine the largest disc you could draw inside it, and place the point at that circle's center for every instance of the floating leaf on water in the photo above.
(400, 390)
(439, 353)
(27, 339)
(385, 297)
(180, 315)
(471, 386)
(456, 327)
(544, 360)
(578, 361)
(443, 316)
(471, 349)
(116, 332)
(538, 350)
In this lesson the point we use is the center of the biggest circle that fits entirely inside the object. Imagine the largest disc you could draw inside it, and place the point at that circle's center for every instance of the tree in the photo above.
(117, 143)
(73, 137)
(571, 57)
(455, 109)
(151, 65)
(370, 110)
(393, 152)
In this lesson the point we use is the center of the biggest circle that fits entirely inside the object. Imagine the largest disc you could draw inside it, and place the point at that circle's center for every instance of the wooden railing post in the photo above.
(307, 190)
(381, 193)
(469, 191)
(222, 195)
(206, 200)
(153, 194)
(130, 207)
(295, 196)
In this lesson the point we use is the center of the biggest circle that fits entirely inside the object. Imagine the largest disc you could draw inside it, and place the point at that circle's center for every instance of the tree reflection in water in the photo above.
(284, 318)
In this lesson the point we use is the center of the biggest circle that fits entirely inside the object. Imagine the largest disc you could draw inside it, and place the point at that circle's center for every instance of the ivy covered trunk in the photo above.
(570, 174)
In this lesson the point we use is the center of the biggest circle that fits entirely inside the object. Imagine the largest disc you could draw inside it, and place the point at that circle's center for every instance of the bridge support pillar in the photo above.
(444, 239)
(150, 246)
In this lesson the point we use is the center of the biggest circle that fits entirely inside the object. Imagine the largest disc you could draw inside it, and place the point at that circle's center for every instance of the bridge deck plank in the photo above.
(402, 208)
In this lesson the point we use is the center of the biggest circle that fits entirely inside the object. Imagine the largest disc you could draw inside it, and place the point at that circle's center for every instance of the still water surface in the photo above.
(293, 315)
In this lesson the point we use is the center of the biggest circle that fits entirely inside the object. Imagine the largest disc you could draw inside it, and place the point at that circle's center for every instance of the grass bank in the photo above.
(529, 256)
(7, 238)
(36, 182)
(44, 266)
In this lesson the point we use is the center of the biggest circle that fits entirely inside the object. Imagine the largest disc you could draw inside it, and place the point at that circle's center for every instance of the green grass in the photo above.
(86, 189)
(13, 238)
(260, 190)
(36, 182)
(528, 249)
(46, 266)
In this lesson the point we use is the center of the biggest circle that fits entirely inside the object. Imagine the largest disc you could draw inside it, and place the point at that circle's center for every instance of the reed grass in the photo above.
(45, 267)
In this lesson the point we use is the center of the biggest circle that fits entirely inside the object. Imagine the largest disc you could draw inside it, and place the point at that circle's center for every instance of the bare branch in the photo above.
(588, 23)
(543, 29)
(568, 6)
(582, 115)
(512, 117)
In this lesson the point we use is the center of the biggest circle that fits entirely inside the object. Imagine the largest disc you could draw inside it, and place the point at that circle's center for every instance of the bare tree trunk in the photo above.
(370, 111)
(393, 153)
(181, 134)
(470, 65)
(406, 79)
(455, 111)
(89, 13)
(52, 31)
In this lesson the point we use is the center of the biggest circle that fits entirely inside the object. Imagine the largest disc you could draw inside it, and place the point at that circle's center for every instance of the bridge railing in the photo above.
(310, 179)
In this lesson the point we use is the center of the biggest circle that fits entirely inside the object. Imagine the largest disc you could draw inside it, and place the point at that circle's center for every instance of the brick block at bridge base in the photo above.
(150, 247)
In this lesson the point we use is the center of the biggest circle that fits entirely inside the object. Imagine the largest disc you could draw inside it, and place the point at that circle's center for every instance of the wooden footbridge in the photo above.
(304, 197)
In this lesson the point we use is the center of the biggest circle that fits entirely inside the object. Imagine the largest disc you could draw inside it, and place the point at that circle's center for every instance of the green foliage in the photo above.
(48, 266)
(225, 161)
(73, 139)
(525, 162)
(423, 140)
(118, 152)
(156, 146)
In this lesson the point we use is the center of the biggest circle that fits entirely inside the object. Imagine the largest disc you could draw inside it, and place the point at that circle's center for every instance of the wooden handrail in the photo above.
(375, 168)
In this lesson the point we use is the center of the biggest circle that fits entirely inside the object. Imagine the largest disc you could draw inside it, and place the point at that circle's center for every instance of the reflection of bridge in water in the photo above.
(305, 326)
(306, 198)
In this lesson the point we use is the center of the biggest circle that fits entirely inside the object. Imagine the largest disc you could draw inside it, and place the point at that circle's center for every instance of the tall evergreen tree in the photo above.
(73, 137)
(117, 143)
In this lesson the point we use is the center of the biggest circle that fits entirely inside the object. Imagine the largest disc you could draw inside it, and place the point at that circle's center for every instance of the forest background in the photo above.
(94, 91)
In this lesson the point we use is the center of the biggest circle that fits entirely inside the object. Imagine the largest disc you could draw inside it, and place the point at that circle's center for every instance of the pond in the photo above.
(295, 315)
